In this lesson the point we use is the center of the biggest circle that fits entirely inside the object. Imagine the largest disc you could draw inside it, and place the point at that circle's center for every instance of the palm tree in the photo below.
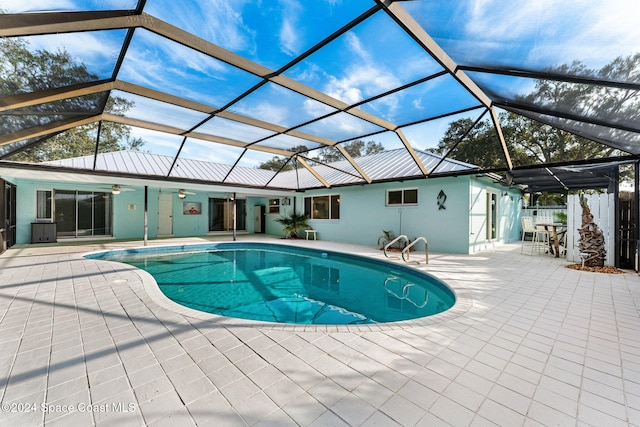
(385, 238)
(591, 242)
(293, 223)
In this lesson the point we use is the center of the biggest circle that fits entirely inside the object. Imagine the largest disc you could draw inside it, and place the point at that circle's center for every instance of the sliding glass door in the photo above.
(221, 214)
(82, 213)
(65, 209)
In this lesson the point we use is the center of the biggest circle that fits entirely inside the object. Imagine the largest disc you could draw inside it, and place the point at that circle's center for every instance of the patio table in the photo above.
(554, 231)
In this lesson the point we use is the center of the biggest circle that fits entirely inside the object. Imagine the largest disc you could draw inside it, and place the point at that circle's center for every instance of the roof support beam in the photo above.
(420, 35)
(354, 163)
(35, 24)
(29, 24)
(313, 172)
(546, 75)
(201, 45)
(523, 109)
(414, 29)
(35, 98)
(142, 124)
(22, 100)
(206, 137)
(503, 143)
(82, 22)
(460, 139)
(162, 96)
(330, 101)
(207, 109)
(47, 129)
(412, 152)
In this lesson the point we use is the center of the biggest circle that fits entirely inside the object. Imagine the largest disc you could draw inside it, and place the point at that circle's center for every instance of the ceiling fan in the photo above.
(116, 189)
(182, 194)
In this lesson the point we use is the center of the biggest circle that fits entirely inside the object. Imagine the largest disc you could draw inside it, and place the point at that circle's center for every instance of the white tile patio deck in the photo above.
(530, 343)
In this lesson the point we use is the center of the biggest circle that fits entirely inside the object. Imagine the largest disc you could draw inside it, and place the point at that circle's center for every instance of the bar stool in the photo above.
(541, 239)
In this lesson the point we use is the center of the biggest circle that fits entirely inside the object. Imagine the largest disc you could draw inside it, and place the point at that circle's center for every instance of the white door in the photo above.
(165, 214)
(492, 216)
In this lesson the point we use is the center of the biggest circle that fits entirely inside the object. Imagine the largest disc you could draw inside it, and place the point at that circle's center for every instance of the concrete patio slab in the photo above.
(529, 342)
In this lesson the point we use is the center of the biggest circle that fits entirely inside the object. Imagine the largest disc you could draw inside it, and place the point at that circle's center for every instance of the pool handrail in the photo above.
(402, 236)
(405, 292)
(407, 249)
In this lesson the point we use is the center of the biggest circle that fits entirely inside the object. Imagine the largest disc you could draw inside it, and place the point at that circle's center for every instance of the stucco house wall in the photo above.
(458, 225)
(451, 212)
(128, 210)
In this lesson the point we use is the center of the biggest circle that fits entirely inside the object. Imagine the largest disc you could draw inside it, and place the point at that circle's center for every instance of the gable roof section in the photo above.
(380, 167)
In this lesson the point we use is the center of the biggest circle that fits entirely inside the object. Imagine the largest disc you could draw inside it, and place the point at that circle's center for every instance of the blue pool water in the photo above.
(278, 283)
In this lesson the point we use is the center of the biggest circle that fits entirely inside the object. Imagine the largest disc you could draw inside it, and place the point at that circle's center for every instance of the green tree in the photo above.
(277, 163)
(23, 70)
(330, 154)
(531, 142)
(357, 148)
(478, 145)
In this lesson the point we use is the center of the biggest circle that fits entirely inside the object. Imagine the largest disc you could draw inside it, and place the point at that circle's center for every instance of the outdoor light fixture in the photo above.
(181, 194)
(115, 189)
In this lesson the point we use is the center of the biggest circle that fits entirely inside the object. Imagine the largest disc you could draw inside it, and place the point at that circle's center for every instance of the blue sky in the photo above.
(368, 60)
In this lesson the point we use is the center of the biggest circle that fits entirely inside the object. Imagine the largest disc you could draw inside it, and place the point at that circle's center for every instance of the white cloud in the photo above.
(96, 52)
(159, 112)
(290, 38)
(152, 62)
(234, 130)
(268, 112)
(362, 78)
(316, 109)
(344, 90)
(180, 58)
(356, 47)
(555, 31)
(219, 21)
(13, 6)
(340, 126)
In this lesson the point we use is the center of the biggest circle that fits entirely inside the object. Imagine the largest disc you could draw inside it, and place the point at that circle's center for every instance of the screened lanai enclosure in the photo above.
(288, 85)
(302, 95)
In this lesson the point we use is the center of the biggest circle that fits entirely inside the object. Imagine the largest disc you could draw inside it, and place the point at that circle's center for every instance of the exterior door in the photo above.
(221, 214)
(492, 216)
(165, 214)
(627, 230)
(7, 215)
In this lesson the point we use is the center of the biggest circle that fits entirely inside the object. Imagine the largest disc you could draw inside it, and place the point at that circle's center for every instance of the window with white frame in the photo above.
(404, 197)
(44, 210)
(274, 206)
(322, 207)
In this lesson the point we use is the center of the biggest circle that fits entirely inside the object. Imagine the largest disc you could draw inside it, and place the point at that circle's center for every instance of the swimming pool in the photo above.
(286, 284)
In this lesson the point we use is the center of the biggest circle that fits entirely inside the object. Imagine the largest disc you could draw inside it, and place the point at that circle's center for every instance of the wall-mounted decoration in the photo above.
(191, 208)
(441, 199)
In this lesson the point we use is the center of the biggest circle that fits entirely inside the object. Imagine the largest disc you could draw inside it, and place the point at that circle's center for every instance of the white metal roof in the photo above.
(383, 166)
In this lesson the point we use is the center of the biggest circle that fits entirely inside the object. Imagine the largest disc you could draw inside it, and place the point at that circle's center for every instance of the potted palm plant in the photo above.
(386, 237)
(292, 224)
